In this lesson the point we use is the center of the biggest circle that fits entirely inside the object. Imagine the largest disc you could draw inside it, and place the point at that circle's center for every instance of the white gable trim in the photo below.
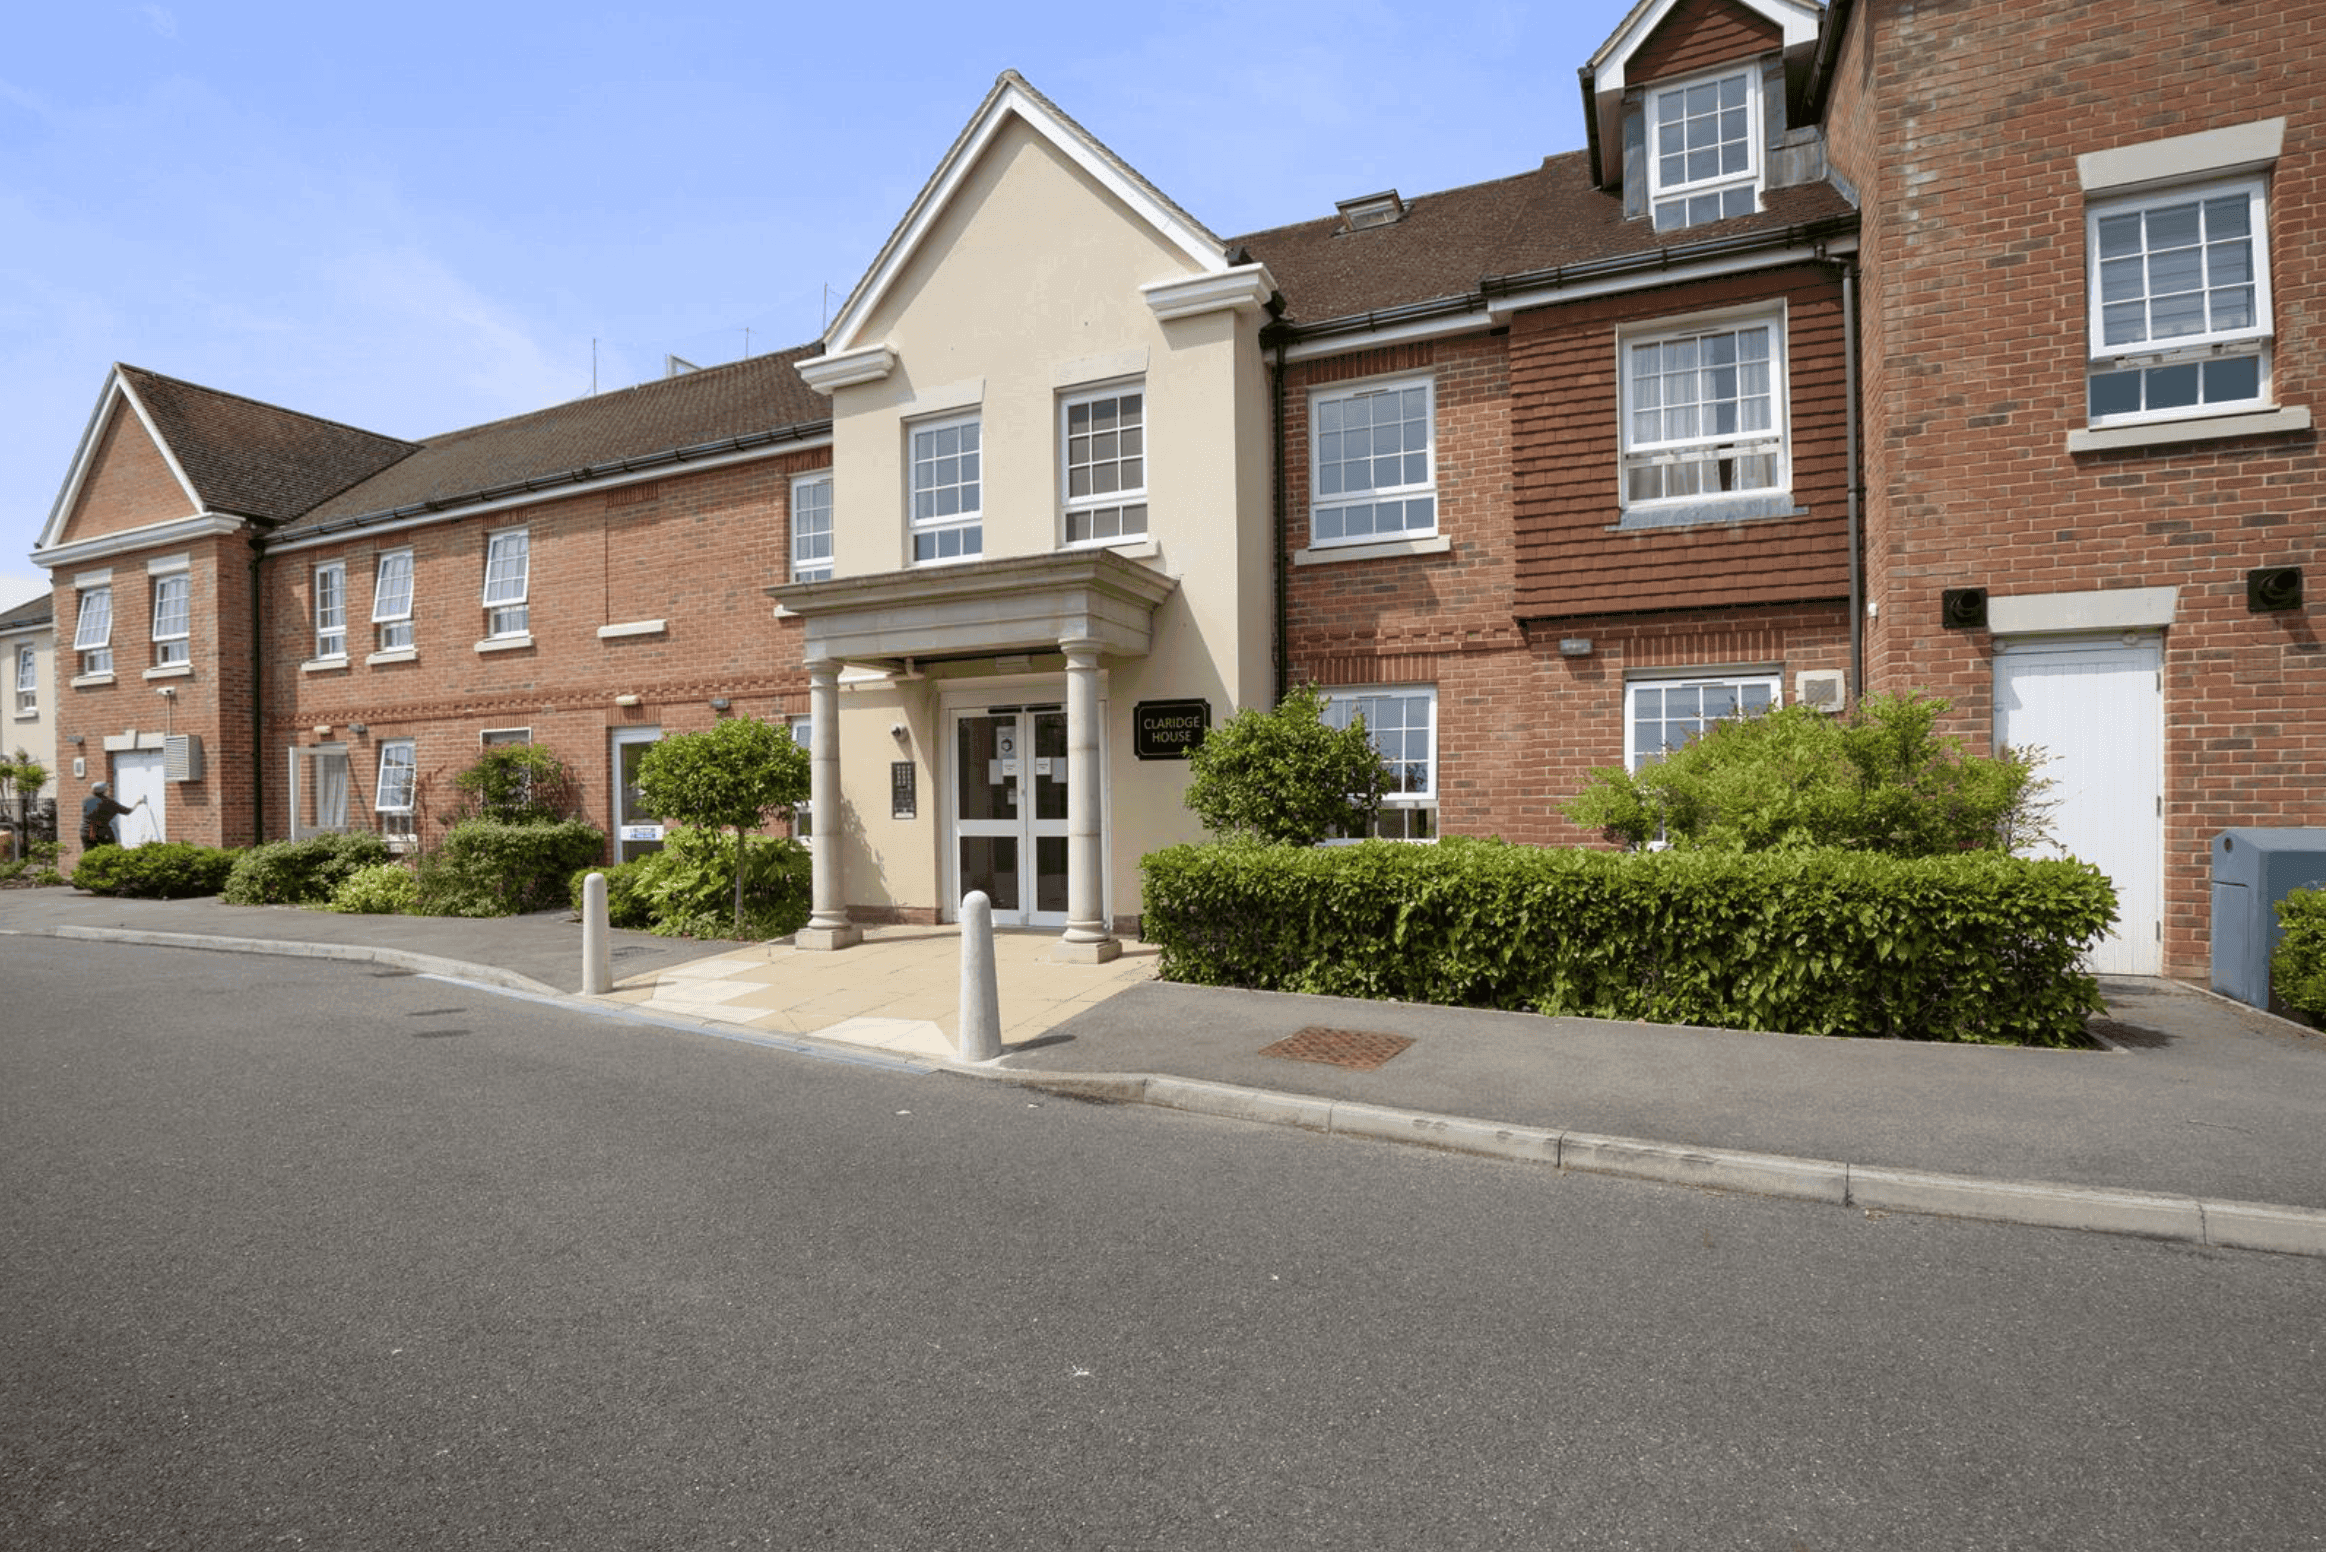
(177, 530)
(1013, 98)
(116, 392)
(1795, 19)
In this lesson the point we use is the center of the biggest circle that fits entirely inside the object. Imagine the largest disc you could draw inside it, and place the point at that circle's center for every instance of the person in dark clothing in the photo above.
(98, 815)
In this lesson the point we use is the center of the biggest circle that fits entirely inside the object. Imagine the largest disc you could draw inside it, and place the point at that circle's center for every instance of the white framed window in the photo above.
(331, 610)
(1372, 462)
(1704, 159)
(811, 527)
(392, 794)
(803, 733)
(508, 564)
(392, 601)
(2178, 303)
(947, 513)
(1662, 714)
(173, 598)
(93, 629)
(1402, 722)
(27, 680)
(1102, 443)
(1704, 412)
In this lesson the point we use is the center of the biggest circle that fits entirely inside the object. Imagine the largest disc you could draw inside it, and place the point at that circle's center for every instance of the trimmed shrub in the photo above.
(307, 872)
(683, 890)
(517, 784)
(385, 889)
(165, 870)
(1286, 774)
(2297, 970)
(489, 867)
(1975, 947)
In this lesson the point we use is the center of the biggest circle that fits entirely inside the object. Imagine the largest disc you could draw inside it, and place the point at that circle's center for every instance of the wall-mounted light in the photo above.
(720, 703)
(1574, 646)
(1963, 608)
(625, 700)
(74, 739)
(167, 693)
(358, 729)
(2270, 589)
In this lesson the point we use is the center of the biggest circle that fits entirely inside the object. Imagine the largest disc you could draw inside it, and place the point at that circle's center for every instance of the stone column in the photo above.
(828, 925)
(1087, 940)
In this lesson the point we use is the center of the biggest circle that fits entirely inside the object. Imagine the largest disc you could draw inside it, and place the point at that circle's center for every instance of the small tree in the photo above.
(1286, 775)
(21, 780)
(517, 784)
(731, 777)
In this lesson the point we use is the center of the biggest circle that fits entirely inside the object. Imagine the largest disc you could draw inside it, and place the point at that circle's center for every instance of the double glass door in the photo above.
(1009, 811)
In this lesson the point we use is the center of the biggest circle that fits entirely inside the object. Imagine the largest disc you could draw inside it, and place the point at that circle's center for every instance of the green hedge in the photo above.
(386, 889)
(2297, 971)
(491, 867)
(1976, 947)
(165, 870)
(686, 890)
(304, 872)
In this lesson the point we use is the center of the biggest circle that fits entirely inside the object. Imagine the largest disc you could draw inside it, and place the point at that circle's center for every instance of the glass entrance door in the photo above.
(1009, 811)
(637, 830)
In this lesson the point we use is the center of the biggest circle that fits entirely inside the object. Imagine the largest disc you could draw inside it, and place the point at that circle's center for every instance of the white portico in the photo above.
(1086, 605)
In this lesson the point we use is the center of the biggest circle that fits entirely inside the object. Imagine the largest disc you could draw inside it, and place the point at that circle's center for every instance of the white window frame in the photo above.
(1409, 813)
(394, 620)
(803, 732)
(1744, 679)
(1677, 204)
(2202, 354)
(394, 799)
(965, 525)
(93, 629)
(173, 619)
(331, 611)
(1100, 508)
(508, 602)
(1333, 509)
(27, 679)
(1715, 449)
(811, 546)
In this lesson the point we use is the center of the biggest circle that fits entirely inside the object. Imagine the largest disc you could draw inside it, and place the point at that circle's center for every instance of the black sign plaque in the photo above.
(1168, 730)
(901, 791)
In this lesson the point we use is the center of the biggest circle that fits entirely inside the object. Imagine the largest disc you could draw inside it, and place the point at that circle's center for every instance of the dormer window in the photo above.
(1371, 210)
(1704, 159)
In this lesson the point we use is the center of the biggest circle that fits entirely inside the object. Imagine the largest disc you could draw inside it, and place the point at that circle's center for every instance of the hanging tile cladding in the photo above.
(1701, 35)
(1407, 607)
(1564, 406)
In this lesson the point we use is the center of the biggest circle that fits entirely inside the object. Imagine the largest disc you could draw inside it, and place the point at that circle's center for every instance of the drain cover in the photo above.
(1362, 1049)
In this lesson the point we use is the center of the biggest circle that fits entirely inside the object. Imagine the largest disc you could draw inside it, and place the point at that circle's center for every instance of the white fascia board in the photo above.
(1011, 98)
(1796, 22)
(115, 392)
(867, 364)
(535, 497)
(176, 531)
(1245, 288)
(2176, 158)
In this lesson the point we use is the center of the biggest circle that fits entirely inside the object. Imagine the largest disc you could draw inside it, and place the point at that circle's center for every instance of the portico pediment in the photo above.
(1021, 603)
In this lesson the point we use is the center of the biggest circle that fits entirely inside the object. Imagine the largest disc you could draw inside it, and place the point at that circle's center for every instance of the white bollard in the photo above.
(980, 993)
(597, 950)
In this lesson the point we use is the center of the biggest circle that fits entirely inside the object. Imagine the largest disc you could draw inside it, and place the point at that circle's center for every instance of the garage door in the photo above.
(137, 773)
(2097, 706)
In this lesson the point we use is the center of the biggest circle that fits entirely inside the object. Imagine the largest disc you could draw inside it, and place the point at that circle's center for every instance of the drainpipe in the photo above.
(258, 701)
(1857, 557)
(1278, 562)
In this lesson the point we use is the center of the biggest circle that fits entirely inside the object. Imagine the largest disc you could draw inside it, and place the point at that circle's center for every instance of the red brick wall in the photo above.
(1564, 411)
(1701, 35)
(1961, 125)
(129, 484)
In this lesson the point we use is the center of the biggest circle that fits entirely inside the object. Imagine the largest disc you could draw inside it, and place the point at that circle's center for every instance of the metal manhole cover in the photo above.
(1362, 1049)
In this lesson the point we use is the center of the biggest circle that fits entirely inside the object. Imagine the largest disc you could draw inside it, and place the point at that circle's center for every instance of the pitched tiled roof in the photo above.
(698, 409)
(37, 611)
(253, 459)
(1448, 242)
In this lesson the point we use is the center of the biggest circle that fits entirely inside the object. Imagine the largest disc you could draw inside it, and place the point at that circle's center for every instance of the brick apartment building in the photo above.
(1854, 351)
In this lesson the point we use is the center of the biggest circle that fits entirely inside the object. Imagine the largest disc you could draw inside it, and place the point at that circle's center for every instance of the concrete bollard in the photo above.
(980, 992)
(597, 948)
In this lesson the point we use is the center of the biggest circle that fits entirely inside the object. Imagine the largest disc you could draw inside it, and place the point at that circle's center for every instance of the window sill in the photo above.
(2205, 428)
(324, 665)
(171, 671)
(505, 643)
(85, 681)
(28, 716)
(393, 655)
(1434, 544)
(633, 628)
(1704, 514)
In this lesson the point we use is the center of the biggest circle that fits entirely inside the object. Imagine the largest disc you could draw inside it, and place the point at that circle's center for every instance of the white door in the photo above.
(2097, 707)
(137, 773)
(1008, 812)
(636, 830)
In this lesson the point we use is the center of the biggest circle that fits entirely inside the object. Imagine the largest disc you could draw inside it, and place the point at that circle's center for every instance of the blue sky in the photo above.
(419, 217)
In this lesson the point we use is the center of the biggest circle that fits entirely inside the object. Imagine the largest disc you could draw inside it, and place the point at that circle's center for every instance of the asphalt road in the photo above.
(307, 1254)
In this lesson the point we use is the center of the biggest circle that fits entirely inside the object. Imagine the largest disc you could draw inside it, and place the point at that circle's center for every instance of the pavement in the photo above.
(2192, 1118)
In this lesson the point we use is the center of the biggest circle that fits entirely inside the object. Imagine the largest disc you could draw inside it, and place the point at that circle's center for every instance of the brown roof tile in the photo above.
(37, 611)
(747, 398)
(1448, 242)
(252, 459)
